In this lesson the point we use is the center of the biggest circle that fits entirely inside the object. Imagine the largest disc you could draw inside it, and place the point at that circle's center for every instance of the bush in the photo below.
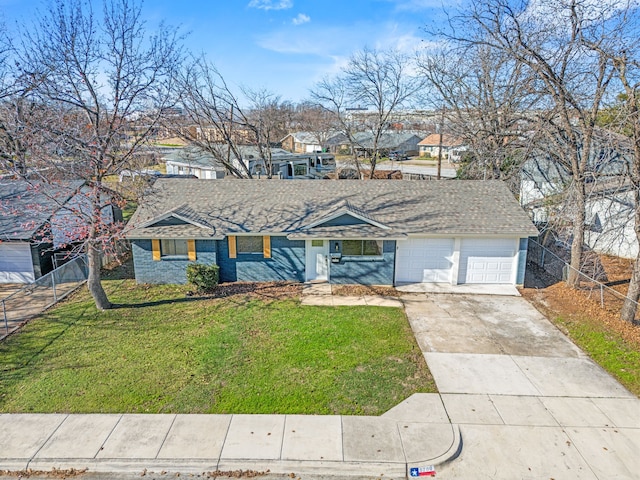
(204, 277)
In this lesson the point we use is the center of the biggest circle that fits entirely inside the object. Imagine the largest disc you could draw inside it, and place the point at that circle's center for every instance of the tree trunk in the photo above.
(630, 306)
(573, 275)
(93, 282)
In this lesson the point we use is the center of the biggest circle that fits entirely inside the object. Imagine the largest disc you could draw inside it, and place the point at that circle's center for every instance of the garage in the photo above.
(421, 260)
(15, 263)
(487, 260)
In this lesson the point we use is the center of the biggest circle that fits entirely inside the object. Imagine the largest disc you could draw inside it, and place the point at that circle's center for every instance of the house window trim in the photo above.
(362, 256)
(187, 256)
(261, 251)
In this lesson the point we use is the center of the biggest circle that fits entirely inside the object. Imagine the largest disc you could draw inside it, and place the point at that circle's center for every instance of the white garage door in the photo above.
(15, 263)
(487, 260)
(424, 260)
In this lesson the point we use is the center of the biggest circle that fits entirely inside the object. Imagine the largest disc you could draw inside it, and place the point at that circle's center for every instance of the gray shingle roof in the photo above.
(197, 157)
(234, 206)
(388, 140)
(25, 207)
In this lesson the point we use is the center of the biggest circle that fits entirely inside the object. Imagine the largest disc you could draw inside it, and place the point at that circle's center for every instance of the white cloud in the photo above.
(271, 4)
(301, 18)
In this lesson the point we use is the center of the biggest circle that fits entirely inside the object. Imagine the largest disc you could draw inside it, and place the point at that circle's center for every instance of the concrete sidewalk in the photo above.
(416, 433)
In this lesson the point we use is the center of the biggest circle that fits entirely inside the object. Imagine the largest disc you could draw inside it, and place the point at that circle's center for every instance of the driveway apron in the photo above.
(530, 404)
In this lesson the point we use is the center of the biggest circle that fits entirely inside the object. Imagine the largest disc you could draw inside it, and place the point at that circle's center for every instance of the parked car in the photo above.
(398, 156)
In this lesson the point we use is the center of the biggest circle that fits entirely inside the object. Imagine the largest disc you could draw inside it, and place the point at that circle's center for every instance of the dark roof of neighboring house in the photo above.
(389, 140)
(26, 206)
(196, 157)
(308, 209)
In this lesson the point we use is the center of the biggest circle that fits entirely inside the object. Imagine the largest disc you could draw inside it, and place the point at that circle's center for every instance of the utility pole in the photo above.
(440, 145)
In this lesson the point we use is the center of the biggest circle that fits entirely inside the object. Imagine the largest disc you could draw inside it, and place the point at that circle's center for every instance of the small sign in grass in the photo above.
(163, 352)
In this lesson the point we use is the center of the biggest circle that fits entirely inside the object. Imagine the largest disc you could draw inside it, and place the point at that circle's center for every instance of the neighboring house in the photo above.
(452, 147)
(36, 220)
(383, 232)
(402, 142)
(405, 143)
(295, 166)
(610, 205)
(193, 161)
(301, 142)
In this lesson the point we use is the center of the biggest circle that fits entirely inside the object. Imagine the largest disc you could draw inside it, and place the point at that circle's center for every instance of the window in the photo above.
(249, 244)
(299, 169)
(174, 248)
(317, 243)
(362, 247)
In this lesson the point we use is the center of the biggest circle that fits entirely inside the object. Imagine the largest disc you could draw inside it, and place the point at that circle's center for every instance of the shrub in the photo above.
(204, 277)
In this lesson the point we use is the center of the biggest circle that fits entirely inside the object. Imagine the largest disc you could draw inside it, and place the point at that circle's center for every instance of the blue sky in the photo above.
(284, 46)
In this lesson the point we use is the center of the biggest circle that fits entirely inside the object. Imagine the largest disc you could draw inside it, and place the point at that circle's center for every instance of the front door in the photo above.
(317, 260)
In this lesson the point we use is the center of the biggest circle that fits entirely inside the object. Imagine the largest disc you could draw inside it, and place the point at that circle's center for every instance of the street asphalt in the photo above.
(517, 400)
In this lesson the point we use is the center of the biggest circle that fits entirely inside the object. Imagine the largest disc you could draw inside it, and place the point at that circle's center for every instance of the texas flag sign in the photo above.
(429, 471)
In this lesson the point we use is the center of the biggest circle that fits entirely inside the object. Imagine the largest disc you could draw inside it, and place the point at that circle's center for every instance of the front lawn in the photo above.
(163, 352)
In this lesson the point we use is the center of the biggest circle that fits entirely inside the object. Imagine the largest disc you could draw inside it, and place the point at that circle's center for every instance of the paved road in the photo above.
(529, 403)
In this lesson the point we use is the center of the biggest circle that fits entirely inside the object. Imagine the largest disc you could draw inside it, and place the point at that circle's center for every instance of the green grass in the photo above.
(163, 352)
(607, 348)
(128, 210)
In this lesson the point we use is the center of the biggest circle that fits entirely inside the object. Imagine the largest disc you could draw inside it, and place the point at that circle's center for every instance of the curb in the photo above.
(283, 467)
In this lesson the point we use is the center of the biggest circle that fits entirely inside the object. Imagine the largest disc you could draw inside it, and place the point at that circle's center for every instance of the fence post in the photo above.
(53, 284)
(542, 252)
(4, 314)
(602, 295)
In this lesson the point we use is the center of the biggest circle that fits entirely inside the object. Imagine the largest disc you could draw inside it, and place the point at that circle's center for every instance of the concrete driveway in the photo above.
(530, 404)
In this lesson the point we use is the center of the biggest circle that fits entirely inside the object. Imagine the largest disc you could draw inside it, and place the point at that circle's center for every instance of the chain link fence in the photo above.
(41, 294)
(552, 268)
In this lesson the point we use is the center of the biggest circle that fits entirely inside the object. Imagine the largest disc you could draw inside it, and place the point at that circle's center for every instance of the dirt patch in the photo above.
(584, 305)
(362, 290)
(262, 290)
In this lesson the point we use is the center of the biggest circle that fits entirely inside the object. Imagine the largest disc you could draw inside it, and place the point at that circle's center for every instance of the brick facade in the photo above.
(287, 262)
(365, 271)
(172, 270)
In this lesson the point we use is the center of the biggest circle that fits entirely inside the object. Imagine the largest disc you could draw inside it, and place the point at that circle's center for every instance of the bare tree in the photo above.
(380, 81)
(12, 109)
(625, 55)
(101, 83)
(318, 121)
(220, 122)
(487, 97)
(268, 119)
(547, 38)
(332, 95)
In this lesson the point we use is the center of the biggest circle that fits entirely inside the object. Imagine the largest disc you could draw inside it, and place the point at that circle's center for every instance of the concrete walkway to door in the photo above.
(530, 404)
(320, 294)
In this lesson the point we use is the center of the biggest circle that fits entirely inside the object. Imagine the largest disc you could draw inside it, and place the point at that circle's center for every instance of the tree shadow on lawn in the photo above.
(232, 291)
